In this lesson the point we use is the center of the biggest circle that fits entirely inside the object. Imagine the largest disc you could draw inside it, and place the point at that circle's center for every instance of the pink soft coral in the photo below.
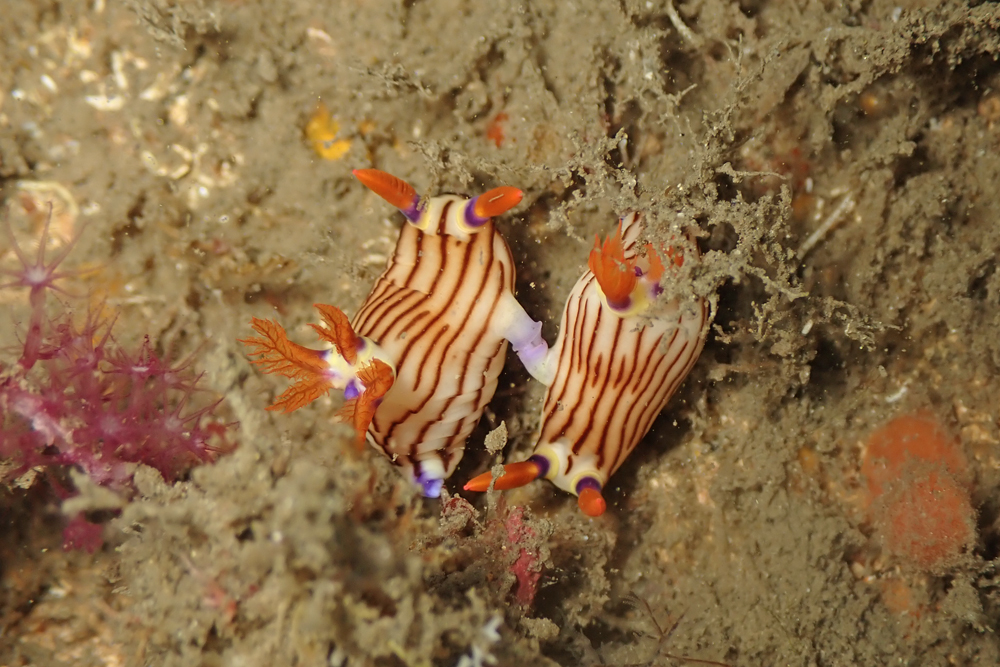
(76, 398)
(527, 567)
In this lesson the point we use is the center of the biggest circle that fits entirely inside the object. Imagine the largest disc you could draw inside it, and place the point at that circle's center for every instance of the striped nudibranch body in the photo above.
(441, 310)
(440, 316)
(617, 361)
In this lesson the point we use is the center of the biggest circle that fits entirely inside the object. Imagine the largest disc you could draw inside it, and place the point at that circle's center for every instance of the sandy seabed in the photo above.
(839, 161)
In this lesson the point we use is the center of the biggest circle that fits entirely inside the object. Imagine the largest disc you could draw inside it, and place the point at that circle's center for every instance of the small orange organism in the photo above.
(321, 131)
(494, 131)
(918, 484)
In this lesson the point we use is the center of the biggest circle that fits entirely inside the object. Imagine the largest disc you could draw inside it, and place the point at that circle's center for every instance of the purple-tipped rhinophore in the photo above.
(412, 212)
(471, 219)
(542, 463)
(588, 483)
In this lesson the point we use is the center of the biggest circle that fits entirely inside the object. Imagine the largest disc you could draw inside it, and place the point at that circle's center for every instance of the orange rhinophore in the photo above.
(497, 201)
(612, 370)
(394, 190)
(591, 502)
(515, 475)
(422, 356)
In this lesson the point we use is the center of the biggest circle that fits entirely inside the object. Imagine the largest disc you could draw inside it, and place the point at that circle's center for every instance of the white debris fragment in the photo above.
(105, 102)
(479, 652)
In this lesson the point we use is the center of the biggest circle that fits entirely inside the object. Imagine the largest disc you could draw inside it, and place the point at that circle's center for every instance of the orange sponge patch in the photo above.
(920, 503)
(917, 437)
(927, 521)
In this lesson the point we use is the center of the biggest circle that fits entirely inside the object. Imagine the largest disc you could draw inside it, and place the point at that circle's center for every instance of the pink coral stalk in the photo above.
(38, 277)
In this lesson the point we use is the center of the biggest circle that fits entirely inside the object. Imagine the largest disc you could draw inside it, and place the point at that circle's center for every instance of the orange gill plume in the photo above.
(430, 338)
(377, 378)
(614, 273)
(616, 364)
(353, 365)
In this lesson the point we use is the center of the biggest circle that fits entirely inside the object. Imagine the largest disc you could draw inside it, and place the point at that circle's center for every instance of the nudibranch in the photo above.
(618, 359)
(421, 358)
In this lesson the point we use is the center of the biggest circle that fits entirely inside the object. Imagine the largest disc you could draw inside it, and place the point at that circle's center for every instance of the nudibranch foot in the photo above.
(430, 479)
(525, 336)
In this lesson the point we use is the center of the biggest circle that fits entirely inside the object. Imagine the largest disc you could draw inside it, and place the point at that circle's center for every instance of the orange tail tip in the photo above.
(394, 190)
(591, 502)
(615, 274)
(278, 355)
(516, 475)
(377, 377)
(496, 201)
(338, 332)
